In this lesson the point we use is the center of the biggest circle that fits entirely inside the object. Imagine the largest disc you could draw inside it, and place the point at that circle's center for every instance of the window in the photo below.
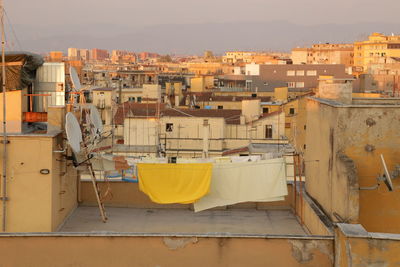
(265, 110)
(304, 146)
(220, 107)
(311, 73)
(291, 111)
(169, 127)
(300, 73)
(299, 84)
(139, 99)
(305, 127)
(291, 84)
(268, 131)
(290, 73)
(253, 95)
(287, 124)
(131, 99)
(172, 160)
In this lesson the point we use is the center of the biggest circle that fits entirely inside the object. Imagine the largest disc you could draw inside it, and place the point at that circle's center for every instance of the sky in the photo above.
(153, 12)
(189, 26)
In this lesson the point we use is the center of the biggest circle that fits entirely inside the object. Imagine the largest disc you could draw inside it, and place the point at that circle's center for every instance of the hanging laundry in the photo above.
(245, 158)
(174, 183)
(261, 181)
(195, 160)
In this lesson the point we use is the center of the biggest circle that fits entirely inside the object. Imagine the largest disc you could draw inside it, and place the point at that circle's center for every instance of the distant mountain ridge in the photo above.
(192, 38)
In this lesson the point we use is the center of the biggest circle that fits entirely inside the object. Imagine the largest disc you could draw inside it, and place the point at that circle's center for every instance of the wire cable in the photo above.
(12, 29)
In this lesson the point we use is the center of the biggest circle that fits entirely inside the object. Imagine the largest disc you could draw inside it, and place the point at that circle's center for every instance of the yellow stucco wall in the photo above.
(343, 150)
(103, 250)
(37, 202)
(359, 248)
(16, 105)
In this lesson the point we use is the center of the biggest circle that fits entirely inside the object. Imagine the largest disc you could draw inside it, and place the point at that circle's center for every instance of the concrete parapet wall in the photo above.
(162, 250)
(125, 194)
(356, 247)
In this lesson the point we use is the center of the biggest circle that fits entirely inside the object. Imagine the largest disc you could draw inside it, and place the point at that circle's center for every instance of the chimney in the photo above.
(206, 127)
(339, 90)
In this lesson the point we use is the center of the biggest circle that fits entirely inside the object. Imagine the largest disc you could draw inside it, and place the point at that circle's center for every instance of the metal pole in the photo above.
(3, 69)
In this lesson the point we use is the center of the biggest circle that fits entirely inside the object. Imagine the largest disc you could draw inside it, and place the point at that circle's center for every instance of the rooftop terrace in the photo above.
(184, 221)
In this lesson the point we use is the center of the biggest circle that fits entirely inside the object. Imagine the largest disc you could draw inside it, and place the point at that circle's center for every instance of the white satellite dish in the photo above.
(386, 175)
(96, 119)
(75, 79)
(74, 133)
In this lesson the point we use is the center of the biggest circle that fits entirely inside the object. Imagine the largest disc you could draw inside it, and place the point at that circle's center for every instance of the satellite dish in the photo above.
(96, 119)
(386, 175)
(74, 133)
(75, 79)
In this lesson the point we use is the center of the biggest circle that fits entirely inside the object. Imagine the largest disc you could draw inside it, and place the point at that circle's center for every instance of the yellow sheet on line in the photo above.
(174, 183)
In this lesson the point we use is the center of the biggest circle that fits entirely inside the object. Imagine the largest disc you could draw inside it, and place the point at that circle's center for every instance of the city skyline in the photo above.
(214, 26)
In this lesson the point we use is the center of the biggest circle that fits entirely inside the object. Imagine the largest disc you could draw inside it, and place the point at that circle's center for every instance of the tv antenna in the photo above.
(80, 149)
(385, 176)
(75, 79)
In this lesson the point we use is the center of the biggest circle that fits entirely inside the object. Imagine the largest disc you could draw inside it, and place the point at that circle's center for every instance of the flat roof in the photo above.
(185, 221)
(358, 102)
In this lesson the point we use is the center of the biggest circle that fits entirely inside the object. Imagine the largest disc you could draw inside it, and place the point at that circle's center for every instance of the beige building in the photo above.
(181, 132)
(345, 138)
(324, 54)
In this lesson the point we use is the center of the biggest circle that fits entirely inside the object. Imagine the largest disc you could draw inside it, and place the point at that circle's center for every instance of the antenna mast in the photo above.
(3, 70)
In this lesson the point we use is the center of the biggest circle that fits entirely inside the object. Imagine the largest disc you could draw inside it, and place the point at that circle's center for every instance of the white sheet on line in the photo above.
(231, 183)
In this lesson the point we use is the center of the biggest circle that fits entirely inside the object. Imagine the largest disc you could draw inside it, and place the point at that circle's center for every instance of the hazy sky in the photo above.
(147, 12)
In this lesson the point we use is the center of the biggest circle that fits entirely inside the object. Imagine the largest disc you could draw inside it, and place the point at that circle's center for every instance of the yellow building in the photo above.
(202, 83)
(345, 138)
(377, 47)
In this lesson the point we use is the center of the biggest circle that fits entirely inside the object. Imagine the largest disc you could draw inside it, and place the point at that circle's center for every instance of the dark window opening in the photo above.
(265, 110)
(291, 111)
(268, 131)
(220, 107)
(169, 127)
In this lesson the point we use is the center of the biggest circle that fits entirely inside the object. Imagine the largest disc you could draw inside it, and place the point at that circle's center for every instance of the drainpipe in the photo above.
(3, 68)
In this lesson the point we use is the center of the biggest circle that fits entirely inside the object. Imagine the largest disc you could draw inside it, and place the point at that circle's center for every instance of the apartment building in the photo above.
(378, 47)
(298, 77)
(234, 57)
(324, 54)
(99, 54)
(78, 54)
(345, 139)
(122, 57)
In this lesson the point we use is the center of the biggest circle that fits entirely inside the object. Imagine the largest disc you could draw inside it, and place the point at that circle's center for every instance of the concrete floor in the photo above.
(235, 221)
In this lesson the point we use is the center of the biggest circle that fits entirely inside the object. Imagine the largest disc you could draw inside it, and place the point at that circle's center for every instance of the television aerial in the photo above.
(75, 79)
(96, 120)
(385, 176)
(81, 150)
(73, 131)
